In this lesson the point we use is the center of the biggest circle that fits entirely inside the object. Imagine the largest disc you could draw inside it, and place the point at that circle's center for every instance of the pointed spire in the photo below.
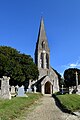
(42, 34)
(42, 43)
(42, 24)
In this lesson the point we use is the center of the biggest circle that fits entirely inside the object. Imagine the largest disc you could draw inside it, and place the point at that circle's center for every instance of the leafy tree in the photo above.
(19, 67)
(29, 69)
(70, 76)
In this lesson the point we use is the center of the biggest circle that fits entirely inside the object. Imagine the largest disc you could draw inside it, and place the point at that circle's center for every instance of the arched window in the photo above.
(47, 60)
(43, 45)
(42, 60)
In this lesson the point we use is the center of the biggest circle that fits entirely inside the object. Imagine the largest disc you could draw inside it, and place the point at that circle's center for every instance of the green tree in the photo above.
(19, 67)
(70, 76)
(28, 67)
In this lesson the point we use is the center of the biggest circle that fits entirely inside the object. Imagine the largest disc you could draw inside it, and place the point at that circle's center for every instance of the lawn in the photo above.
(70, 101)
(11, 109)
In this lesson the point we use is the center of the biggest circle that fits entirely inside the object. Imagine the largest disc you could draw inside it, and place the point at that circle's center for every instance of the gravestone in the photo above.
(5, 93)
(21, 92)
(12, 89)
(29, 87)
(71, 90)
(78, 90)
(13, 92)
(29, 90)
(76, 80)
(35, 89)
(16, 88)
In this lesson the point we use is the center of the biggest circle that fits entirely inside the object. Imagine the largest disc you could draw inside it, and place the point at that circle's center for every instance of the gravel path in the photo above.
(46, 109)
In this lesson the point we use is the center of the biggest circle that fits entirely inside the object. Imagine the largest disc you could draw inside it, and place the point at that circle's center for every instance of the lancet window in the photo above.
(43, 45)
(42, 60)
(47, 60)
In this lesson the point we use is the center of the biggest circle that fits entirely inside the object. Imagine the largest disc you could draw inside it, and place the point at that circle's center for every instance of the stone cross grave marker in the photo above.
(76, 80)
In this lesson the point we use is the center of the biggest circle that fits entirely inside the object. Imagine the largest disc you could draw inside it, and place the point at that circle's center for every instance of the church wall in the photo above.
(54, 77)
(43, 72)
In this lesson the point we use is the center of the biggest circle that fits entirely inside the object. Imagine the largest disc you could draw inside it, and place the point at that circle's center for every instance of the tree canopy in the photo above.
(19, 67)
(70, 76)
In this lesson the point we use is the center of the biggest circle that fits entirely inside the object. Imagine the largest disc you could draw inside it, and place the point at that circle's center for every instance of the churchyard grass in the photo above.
(69, 101)
(11, 109)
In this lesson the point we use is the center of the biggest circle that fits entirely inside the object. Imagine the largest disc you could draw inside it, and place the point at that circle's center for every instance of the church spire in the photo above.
(42, 35)
(42, 50)
(42, 29)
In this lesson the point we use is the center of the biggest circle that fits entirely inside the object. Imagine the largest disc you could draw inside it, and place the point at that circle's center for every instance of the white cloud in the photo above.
(75, 64)
(72, 65)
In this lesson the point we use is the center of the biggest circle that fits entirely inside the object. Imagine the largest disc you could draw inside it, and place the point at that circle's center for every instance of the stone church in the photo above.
(48, 79)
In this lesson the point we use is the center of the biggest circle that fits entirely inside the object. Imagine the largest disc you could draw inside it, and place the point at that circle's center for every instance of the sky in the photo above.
(19, 27)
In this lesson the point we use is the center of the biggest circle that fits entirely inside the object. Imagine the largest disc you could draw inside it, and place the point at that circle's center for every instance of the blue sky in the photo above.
(19, 26)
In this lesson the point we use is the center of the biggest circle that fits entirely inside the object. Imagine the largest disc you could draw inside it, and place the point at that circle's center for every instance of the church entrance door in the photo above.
(47, 88)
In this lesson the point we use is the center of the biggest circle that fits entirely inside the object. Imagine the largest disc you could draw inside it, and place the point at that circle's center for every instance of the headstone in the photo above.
(16, 88)
(35, 89)
(29, 84)
(71, 90)
(5, 93)
(78, 90)
(21, 92)
(13, 92)
(12, 89)
(29, 90)
(29, 87)
(62, 90)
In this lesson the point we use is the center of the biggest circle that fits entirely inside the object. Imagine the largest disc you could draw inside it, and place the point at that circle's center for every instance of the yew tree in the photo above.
(70, 76)
(19, 67)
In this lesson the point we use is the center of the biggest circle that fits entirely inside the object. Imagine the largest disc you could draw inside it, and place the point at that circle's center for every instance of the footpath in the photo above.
(46, 109)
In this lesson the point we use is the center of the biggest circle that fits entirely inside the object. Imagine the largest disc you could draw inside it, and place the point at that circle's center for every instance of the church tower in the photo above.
(42, 52)
(48, 79)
